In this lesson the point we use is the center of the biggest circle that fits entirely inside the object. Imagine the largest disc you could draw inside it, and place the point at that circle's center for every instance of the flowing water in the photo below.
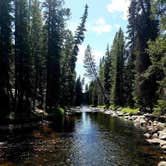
(83, 139)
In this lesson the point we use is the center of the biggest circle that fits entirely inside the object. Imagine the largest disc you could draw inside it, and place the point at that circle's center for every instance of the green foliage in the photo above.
(78, 92)
(107, 69)
(101, 106)
(113, 107)
(160, 107)
(79, 37)
(117, 53)
(142, 28)
(23, 60)
(97, 79)
(131, 111)
(58, 113)
(37, 46)
(55, 19)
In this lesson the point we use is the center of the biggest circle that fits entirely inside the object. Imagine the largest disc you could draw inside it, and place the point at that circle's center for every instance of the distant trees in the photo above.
(91, 72)
(78, 92)
(134, 71)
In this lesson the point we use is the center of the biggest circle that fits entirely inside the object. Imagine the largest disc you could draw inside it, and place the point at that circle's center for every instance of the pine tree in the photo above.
(79, 38)
(23, 60)
(55, 19)
(36, 51)
(91, 72)
(5, 56)
(129, 77)
(157, 52)
(67, 76)
(101, 99)
(118, 67)
(142, 27)
(78, 92)
(107, 72)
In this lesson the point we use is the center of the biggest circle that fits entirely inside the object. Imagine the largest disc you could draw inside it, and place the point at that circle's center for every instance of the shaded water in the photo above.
(84, 139)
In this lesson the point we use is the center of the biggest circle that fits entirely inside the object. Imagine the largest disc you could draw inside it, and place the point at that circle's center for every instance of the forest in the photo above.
(132, 74)
(38, 55)
(51, 115)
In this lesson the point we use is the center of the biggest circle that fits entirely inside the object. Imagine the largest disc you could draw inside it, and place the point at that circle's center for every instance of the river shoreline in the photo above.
(154, 127)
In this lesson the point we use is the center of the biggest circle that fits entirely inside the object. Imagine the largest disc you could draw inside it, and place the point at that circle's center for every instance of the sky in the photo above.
(105, 17)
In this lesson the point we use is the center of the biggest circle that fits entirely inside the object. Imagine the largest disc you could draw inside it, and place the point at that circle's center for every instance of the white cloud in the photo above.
(120, 6)
(101, 26)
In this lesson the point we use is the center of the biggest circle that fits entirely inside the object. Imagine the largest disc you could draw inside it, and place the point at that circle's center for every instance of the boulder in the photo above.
(155, 135)
(153, 129)
(162, 163)
(156, 141)
(147, 135)
(162, 135)
(163, 147)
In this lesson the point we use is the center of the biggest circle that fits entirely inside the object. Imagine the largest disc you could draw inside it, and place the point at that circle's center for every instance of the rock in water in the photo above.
(162, 163)
(162, 135)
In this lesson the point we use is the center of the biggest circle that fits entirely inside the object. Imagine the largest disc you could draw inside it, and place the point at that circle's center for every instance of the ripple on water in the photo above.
(86, 139)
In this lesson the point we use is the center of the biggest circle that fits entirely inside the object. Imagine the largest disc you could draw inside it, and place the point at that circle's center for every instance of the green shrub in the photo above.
(113, 107)
(101, 106)
(131, 111)
(160, 107)
(57, 112)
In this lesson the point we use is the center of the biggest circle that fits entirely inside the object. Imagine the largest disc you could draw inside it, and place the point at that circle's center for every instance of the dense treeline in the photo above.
(37, 57)
(133, 71)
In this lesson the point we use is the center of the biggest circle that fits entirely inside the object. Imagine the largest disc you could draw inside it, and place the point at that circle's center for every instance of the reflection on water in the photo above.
(84, 139)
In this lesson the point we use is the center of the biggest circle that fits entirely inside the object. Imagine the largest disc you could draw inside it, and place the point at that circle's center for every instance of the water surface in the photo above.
(84, 139)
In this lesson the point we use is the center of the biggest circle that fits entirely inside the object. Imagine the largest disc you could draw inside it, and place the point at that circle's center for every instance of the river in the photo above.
(83, 139)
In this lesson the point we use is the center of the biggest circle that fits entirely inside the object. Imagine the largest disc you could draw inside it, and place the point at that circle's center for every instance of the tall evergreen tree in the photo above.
(36, 51)
(101, 99)
(79, 38)
(107, 72)
(67, 76)
(55, 19)
(118, 67)
(5, 55)
(23, 60)
(157, 51)
(129, 77)
(78, 92)
(142, 27)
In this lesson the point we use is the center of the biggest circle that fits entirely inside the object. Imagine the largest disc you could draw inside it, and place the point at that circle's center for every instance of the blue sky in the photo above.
(104, 19)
